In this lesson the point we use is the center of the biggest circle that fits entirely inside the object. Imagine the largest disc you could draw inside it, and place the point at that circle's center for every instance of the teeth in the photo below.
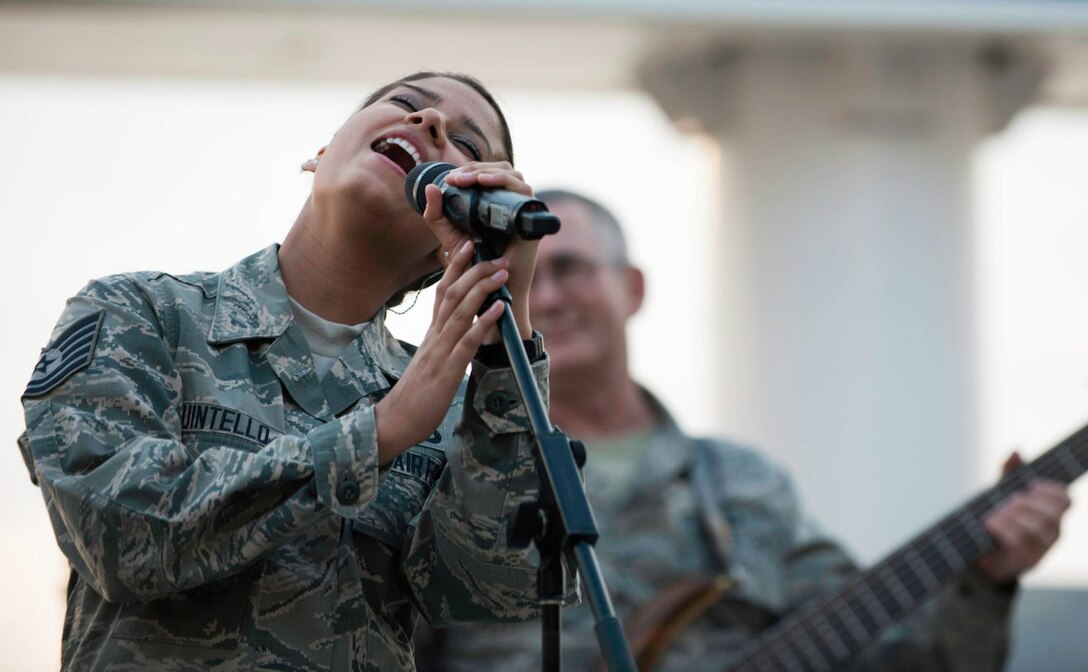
(406, 146)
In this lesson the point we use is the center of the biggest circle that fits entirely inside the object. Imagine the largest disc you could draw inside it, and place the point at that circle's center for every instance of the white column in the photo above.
(847, 299)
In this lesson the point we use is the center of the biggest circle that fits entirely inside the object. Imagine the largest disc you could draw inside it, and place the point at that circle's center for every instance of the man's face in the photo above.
(580, 298)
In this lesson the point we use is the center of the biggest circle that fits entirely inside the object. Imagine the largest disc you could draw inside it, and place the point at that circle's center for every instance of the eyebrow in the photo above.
(434, 97)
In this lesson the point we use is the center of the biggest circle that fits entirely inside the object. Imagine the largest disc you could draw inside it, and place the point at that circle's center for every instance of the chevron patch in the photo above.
(72, 351)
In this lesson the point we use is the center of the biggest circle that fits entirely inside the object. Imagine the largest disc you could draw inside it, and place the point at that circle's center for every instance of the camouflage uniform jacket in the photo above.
(222, 508)
(651, 538)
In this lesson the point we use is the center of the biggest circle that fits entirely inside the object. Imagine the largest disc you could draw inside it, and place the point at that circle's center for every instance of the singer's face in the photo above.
(434, 119)
(580, 299)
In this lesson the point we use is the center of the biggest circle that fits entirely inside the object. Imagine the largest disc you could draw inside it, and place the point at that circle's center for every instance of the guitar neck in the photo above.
(831, 632)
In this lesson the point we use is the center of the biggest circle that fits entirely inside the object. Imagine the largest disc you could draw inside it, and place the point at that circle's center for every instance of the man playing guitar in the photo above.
(703, 543)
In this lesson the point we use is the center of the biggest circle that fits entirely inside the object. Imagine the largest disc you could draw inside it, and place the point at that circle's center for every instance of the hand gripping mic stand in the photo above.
(560, 520)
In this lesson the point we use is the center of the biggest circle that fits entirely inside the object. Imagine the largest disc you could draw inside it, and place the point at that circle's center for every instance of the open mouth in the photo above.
(399, 151)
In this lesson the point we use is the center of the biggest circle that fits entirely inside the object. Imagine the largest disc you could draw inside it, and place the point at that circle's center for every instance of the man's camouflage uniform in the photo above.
(223, 508)
(651, 538)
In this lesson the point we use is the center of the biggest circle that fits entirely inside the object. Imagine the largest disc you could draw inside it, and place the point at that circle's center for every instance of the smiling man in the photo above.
(674, 510)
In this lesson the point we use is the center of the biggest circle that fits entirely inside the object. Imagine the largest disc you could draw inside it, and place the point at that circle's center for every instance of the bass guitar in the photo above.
(832, 631)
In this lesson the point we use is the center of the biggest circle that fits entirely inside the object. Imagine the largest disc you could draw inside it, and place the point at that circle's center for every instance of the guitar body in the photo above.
(655, 626)
(683, 610)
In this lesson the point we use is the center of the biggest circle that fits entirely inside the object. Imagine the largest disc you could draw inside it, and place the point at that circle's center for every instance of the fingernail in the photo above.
(465, 245)
(498, 275)
(499, 262)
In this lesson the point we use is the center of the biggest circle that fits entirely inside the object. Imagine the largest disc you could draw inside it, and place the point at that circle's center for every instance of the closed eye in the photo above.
(469, 146)
(407, 101)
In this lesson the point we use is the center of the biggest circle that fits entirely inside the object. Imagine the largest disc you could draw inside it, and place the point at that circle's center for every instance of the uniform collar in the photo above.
(379, 346)
(671, 454)
(251, 304)
(251, 301)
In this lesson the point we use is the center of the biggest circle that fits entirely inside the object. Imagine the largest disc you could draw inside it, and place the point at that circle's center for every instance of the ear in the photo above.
(634, 283)
(310, 165)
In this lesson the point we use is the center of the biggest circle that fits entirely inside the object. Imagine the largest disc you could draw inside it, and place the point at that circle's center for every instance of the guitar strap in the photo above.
(711, 519)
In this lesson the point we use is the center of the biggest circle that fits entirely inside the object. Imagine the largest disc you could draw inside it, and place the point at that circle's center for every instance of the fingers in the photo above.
(456, 262)
(1044, 499)
(1045, 502)
(1026, 526)
(499, 175)
(1029, 522)
(462, 290)
(416, 405)
(466, 347)
(432, 213)
(475, 166)
(1012, 463)
(462, 298)
(449, 237)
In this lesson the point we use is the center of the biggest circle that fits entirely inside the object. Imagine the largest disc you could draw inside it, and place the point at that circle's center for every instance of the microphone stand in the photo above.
(560, 520)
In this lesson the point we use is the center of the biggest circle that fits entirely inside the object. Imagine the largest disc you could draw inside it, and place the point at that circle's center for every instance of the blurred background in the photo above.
(862, 221)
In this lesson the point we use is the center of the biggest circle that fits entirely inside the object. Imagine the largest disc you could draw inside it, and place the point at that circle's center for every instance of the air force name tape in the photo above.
(203, 417)
(419, 465)
(72, 351)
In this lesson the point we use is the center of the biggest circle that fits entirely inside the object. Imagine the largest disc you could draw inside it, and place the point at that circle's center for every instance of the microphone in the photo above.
(488, 213)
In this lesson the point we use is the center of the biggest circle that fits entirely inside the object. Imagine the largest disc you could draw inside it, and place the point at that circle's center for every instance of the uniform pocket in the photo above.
(209, 617)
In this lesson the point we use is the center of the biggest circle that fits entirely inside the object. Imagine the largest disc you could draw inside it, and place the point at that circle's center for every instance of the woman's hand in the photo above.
(418, 402)
(521, 254)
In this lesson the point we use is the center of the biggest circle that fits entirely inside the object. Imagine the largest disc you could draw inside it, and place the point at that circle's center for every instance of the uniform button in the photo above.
(347, 492)
(501, 402)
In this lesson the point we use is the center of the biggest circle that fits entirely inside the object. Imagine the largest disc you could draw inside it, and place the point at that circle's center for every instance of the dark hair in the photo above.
(469, 80)
(608, 227)
(507, 146)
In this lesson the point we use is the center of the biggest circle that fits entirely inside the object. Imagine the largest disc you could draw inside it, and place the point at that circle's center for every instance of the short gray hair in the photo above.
(608, 227)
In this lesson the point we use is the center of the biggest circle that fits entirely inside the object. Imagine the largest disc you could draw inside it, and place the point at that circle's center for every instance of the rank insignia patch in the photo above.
(72, 351)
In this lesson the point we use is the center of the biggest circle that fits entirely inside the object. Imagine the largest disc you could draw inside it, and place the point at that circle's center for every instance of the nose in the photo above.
(433, 123)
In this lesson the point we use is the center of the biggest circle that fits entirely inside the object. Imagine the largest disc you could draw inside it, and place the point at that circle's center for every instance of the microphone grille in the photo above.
(415, 184)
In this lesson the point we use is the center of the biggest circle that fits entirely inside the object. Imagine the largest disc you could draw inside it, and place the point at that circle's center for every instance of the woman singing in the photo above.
(247, 472)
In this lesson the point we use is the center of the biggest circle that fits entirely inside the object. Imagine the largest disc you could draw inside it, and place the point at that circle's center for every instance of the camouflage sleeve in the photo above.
(137, 512)
(459, 565)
